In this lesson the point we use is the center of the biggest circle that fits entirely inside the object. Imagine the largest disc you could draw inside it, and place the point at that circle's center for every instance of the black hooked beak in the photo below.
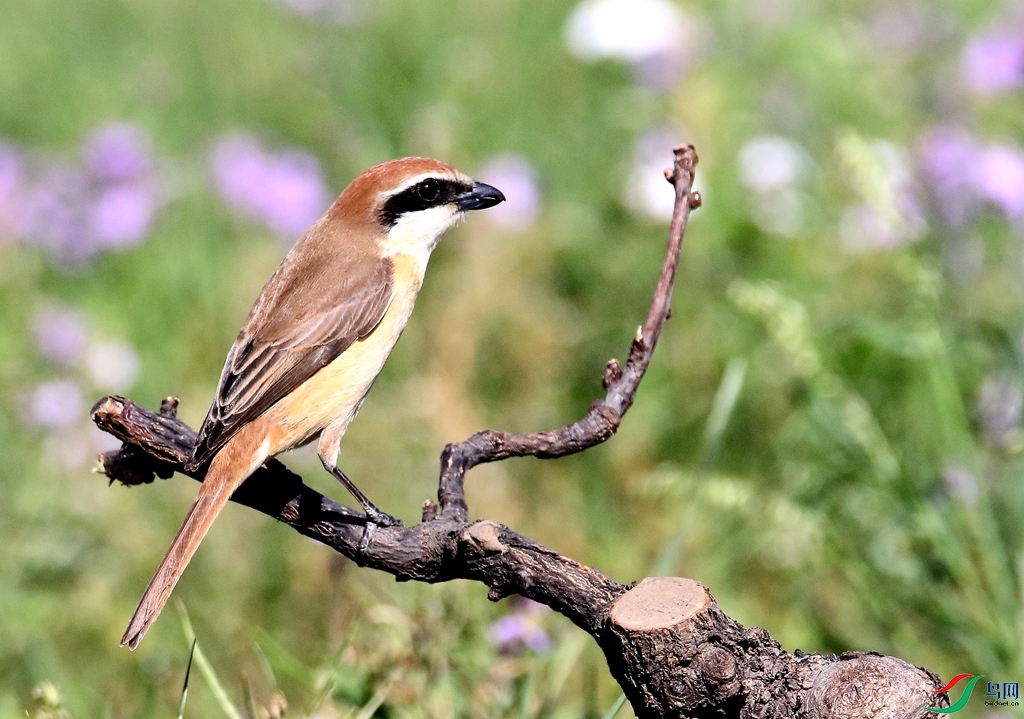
(479, 198)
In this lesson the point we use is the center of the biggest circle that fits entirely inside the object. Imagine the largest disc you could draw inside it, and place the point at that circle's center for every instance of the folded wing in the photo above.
(290, 336)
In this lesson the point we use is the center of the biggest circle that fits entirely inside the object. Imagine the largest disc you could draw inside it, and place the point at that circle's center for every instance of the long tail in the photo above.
(223, 478)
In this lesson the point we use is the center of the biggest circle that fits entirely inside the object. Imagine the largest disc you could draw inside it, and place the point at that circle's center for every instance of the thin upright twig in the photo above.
(603, 418)
(670, 646)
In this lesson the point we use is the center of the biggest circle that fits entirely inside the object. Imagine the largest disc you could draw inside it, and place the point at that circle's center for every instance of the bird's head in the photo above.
(413, 201)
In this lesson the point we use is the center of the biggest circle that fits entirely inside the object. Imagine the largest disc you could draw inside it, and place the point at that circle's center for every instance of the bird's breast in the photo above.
(335, 392)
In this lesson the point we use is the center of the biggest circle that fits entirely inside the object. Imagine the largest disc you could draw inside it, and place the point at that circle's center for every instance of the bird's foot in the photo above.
(373, 520)
(373, 517)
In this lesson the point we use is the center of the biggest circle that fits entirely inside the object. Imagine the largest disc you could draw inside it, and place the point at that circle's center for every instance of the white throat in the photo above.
(417, 233)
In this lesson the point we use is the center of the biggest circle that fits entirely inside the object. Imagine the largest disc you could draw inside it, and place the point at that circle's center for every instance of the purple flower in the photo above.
(947, 153)
(517, 179)
(994, 63)
(285, 190)
(73, 211)
(52, 215)
(61, 334)
(118, 152)
(962, 172)
(521, 628)
(12, 173)
(54, 404)
(238, 172)
(1000, 407)
(998, 176)
(122, 214)
(294, 196)
(12, 170)
(123, 200)
(902, 25)
(340, 12)
(661, 70)
(960, 484)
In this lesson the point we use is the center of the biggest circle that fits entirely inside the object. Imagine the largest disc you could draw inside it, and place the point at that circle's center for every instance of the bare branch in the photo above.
(673, 650)
(604, 416)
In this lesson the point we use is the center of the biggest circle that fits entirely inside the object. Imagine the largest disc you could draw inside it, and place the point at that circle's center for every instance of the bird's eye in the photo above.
(428, 190)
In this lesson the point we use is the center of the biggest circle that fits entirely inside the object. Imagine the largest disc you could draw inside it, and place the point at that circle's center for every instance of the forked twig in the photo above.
(669, 645)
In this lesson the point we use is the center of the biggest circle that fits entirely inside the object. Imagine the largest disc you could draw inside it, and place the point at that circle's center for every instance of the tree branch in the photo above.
(669, 645)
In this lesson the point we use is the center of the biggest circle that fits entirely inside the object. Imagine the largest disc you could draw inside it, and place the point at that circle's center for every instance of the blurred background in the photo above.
(829, 436)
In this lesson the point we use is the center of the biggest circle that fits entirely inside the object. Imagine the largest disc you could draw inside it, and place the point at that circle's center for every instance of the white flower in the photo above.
(631, 30)
(776, 168)
(113, 366)
(771, 162)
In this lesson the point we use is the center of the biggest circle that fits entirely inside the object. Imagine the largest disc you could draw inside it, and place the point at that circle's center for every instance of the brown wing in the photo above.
(310, 311)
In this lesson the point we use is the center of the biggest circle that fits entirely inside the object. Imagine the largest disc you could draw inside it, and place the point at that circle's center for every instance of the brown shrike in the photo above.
(315, 341)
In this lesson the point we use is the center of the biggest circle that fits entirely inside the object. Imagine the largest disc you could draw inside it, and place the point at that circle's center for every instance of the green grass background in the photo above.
(813, 505)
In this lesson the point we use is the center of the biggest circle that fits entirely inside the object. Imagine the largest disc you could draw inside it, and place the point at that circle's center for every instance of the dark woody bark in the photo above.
(668, 644)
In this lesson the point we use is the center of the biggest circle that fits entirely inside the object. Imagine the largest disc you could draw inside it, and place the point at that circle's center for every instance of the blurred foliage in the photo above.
(829, 436)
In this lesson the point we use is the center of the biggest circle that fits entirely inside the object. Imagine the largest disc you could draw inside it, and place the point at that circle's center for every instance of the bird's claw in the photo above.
(372, 520)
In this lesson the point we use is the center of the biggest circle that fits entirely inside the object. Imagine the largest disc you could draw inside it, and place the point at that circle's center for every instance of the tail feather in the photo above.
(220, 483)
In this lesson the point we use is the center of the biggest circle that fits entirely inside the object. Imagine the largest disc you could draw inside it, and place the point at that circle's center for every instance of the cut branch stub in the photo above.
(871, 686)
(667, 642)
(667, 631)
(682, 656)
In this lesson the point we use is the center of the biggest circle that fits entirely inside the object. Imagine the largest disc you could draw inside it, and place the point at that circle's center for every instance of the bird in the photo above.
(315, 341)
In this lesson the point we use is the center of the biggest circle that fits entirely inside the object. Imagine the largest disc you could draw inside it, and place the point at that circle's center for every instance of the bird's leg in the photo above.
(374, 517)
(373, 514)
(329, 449)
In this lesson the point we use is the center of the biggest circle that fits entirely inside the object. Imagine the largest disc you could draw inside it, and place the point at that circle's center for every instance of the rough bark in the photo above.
(673, 650)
